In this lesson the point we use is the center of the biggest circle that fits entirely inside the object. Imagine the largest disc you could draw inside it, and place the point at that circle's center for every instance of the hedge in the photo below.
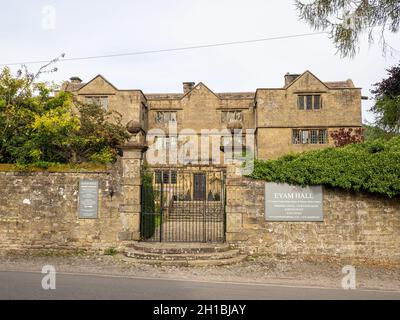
(372, 167)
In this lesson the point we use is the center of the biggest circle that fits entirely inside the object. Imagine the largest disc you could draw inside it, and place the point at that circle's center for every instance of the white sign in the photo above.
(88, 199)
(284, 202)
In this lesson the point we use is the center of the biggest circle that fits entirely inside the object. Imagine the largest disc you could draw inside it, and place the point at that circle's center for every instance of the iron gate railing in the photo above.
(183, 205)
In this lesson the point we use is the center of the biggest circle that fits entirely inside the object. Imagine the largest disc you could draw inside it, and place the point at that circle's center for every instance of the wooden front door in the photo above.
(199, 186)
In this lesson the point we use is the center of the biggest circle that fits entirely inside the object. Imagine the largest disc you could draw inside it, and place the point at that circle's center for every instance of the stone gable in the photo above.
(272, 112)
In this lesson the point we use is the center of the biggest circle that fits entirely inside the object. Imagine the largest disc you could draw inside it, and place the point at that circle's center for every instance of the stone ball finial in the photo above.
(133, 127)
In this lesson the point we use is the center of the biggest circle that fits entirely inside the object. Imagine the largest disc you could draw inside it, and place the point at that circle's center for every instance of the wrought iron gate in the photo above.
(183, 205)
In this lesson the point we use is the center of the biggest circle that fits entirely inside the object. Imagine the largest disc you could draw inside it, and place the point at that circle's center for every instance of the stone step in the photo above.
(179, 247)
(188, 263)
(182, 256)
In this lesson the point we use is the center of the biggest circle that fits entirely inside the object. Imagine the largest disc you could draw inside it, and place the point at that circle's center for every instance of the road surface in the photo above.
(27, 285)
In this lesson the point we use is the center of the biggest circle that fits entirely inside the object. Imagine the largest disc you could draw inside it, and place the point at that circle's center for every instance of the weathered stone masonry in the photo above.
(354, 226)
(40, 210)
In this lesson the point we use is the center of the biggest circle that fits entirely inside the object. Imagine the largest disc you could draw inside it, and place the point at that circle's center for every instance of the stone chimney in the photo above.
(289, 78)
(188, 86)
(75, 80)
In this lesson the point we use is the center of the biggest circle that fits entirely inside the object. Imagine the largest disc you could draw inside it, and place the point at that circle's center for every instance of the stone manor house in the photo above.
(223, 215)
(187, 196)
(297, 117)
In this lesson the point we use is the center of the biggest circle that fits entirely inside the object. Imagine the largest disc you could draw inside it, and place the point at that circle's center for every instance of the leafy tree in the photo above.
(346, 20)
(99, 136)
(39, 124)
(372, 132)
(387, 101)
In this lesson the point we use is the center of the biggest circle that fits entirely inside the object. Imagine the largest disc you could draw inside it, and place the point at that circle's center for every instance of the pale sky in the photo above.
(28, 32)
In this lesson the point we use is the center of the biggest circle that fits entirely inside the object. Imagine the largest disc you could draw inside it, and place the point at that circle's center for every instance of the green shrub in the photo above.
(110, 252)
(40, 125)
(372, 166)
(105, 155)
(150, 218)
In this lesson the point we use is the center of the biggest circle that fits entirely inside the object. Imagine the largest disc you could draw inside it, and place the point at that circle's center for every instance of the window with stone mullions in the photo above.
(317, 102)
(166, 177)
(322, 136)
(165, 116)
(157, 177)
(309, 136)
(229, 116)
(313, 136)
(101, 101)
(309, 102)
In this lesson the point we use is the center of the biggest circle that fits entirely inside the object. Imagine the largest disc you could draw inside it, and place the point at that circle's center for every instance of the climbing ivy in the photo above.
(372, 166)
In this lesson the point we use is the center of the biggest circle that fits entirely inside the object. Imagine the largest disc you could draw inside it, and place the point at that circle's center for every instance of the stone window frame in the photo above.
(143, 111)
(100, 100)
(167, 176)
(164, 117)
(309, 101)
(238, 141)
(165, 142)
(237, 116)
(310, 136)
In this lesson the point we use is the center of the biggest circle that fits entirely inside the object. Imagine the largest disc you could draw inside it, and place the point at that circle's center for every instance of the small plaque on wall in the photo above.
(88, 199)
(284, 202)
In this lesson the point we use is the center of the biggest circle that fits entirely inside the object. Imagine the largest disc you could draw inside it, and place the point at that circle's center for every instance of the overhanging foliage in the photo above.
(372, 166)
(38, 126)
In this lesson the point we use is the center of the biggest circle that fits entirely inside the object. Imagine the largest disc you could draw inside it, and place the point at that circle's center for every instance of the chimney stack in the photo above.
(75, 80)
(188, 86)
(289, 78)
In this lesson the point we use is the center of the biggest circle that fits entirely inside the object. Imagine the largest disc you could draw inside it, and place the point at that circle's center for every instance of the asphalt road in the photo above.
(25, 285)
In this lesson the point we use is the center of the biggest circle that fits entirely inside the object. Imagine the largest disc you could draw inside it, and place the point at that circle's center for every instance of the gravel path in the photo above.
(261, 269)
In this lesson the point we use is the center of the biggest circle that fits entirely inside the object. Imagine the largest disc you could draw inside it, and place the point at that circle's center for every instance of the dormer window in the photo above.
(101, 101)
(231, 116)
(309, 102)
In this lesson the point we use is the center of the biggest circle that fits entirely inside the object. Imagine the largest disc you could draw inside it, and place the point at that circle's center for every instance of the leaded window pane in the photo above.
(305, 136)
(309, 102)
(317, 102)
(300, 102)
(165, 176)
(157, 177)
(323, 136)
(313, 136)
(173, 177)
(296, 136)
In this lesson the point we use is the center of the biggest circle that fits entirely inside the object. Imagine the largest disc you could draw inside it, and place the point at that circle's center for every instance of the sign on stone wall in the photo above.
(88, 199)
(284, 202)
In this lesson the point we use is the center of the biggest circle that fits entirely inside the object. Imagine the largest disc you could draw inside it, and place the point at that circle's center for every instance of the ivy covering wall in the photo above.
(372, 166)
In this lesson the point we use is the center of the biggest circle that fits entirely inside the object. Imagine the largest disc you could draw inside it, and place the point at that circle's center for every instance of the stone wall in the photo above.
(40, 210)
(355, 225)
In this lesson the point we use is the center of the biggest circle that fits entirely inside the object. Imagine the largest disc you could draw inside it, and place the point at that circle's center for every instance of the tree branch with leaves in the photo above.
(39, 124)
(346, 20)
